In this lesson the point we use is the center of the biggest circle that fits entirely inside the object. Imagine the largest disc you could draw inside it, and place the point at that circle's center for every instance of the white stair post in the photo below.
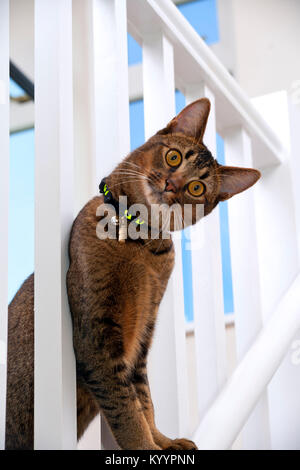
(4, 202)
(167, 361)
(208, 283)
(246, 278)
(55, 380)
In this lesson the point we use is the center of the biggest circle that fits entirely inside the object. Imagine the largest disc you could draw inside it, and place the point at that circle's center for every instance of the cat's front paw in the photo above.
(181, 444)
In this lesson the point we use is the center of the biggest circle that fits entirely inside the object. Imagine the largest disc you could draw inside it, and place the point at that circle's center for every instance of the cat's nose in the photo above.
(171, 185)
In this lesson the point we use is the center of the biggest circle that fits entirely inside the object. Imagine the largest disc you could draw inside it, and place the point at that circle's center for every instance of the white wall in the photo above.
(278, 251)
(225, 48)
(267, 38)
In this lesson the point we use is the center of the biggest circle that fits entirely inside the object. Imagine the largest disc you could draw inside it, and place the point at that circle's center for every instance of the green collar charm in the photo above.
(121, 211)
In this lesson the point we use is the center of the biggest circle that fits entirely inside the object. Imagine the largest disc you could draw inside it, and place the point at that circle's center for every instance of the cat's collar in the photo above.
(121, 210)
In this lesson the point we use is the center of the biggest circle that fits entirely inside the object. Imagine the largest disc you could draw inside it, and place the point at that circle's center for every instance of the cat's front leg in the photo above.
(140, 381)
(124, 414)
(117, 400)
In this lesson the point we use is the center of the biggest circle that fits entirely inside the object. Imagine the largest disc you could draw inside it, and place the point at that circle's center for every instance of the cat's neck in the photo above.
(151, 237)
(120, 187)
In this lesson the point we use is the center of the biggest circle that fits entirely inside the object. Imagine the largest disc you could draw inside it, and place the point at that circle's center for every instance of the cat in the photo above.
(115, 286)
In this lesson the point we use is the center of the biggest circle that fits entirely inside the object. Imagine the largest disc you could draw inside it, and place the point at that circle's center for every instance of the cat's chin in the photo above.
(155, 196)
(152, 195)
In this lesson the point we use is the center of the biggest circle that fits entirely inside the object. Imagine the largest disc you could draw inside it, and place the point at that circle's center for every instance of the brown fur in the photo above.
(115, 290)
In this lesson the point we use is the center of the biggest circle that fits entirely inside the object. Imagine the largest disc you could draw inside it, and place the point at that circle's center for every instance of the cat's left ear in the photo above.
(234, 180)
(191, 121)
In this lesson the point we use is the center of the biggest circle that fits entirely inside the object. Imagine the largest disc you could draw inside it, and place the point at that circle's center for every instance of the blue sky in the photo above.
(21, 213)
(15, 90)
(202, 15)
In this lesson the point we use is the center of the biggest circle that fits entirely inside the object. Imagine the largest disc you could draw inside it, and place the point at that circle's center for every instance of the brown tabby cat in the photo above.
(115, 288)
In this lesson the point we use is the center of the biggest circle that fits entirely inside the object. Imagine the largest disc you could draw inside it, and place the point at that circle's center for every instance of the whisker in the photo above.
(127, 162)
(128, 180)
(142, 170)
(132, 164)
(130, 173)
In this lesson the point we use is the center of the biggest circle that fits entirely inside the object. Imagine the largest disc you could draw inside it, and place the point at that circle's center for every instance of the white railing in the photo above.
(173, 55)
(223, 421)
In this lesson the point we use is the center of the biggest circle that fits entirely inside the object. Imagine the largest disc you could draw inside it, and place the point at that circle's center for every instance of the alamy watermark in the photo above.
(295, 352)
(138, 222)
(295, 92)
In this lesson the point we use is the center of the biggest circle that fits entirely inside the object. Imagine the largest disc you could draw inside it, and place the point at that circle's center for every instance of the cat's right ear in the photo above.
(234, 180)
(191, 121)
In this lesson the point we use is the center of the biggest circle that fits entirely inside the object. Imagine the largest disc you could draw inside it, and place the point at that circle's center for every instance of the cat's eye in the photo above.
(196, 188)
(173, 158)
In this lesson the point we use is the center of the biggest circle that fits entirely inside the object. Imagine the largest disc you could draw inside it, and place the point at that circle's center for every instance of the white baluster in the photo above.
(55, 390)
(167, 362)
(110, 60)
(208, 283)
(85, 182)
(246, 278)
(110, 90)
(4, 200)
(91, 439)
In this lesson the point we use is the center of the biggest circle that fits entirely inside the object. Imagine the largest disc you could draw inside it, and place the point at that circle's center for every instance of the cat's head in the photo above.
(175, 167)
